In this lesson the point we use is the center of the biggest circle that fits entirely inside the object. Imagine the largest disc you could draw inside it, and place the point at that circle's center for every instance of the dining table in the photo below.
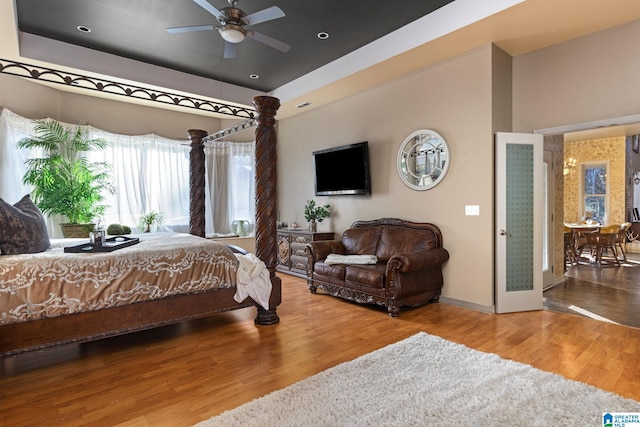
(575, 241)
(583, 226)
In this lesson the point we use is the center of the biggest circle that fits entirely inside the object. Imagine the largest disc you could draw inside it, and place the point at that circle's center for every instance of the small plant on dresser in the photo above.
(314, 214)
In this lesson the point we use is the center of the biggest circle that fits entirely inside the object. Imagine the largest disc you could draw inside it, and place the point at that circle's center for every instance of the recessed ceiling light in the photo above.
(323, 35)
(83, 28)
(254, 76)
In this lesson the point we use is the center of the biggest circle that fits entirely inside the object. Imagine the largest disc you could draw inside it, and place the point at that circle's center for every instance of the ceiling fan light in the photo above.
(232, 33)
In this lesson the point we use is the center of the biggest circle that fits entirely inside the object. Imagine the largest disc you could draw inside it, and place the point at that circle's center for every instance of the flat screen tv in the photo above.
(342, 170)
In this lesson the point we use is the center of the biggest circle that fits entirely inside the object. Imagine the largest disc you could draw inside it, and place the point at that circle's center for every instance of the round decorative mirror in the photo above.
(423, 159)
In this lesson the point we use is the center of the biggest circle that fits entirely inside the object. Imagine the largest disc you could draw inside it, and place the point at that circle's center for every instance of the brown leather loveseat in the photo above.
(408, 270)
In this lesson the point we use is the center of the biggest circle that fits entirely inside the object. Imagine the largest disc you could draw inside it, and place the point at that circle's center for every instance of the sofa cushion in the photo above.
(22, 228)
(361, 240)
(396, 240)
(366, 275)
(332, 271)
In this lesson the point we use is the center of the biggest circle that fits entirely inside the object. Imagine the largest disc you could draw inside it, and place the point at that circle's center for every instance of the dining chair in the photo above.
(601, 241)
(570, 258)
(581, 243)
(621, 239)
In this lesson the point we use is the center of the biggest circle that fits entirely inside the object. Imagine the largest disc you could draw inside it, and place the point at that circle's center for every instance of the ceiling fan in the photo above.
(232, 23)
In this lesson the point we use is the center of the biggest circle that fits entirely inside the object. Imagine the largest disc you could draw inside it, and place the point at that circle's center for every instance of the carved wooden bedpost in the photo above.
(267, 199)
(196, 183)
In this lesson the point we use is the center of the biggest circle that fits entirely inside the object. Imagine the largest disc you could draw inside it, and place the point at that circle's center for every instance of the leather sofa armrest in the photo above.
(318, 250)
(419, 260)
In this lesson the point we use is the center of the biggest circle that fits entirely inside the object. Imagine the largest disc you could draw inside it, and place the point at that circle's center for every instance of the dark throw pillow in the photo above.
(22, 228)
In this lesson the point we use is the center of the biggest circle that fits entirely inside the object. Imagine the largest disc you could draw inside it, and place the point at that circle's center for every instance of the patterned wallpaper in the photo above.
(611, 149)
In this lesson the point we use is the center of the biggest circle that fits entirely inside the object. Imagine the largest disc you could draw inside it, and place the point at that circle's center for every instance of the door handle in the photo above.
(504, 233)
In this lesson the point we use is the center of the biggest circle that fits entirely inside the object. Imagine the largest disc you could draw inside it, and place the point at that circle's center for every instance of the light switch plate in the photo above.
(472, 210)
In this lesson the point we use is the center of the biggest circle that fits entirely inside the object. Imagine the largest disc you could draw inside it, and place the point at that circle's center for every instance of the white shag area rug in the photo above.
(425, 380)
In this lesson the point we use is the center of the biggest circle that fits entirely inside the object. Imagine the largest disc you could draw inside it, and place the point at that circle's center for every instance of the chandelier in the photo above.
(569, 165)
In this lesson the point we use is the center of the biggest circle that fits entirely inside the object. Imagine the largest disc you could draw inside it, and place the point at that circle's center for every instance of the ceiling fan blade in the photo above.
(230, 50)
(176, 30)
(276, 44)
(268, 14)
(207, 6)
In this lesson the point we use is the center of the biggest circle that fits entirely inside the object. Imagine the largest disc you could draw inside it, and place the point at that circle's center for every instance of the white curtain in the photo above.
(150, 173)
(230, 191)
(12, 167)
(12, 163)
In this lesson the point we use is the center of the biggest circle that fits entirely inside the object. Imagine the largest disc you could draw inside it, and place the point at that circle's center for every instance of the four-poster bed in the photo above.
(16, 338)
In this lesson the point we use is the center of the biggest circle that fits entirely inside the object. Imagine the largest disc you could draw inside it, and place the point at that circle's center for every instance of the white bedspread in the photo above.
(252, 280)
(56, 283)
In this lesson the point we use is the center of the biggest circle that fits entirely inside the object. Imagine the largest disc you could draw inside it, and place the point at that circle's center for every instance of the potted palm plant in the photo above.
(64, 182)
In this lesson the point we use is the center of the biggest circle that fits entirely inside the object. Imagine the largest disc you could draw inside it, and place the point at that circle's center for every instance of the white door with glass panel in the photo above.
(519, 222)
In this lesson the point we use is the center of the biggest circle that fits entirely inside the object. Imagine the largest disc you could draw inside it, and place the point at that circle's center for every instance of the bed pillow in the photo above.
(22, 228)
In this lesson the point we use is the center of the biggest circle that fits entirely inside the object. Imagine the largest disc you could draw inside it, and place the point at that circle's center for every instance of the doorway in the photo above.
(607, 294)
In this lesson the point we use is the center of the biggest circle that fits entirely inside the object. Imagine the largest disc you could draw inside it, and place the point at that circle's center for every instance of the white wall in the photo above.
(591, 78)
(453, 98)
(33, 100)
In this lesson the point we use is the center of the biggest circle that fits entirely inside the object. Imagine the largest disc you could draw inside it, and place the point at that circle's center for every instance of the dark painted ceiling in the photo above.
(137, 30)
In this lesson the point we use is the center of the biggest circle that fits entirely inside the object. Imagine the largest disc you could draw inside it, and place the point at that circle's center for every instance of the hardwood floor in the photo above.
(608, 292)
(182, 374)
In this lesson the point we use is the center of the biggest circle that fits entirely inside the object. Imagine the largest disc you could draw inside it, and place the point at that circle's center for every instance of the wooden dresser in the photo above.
(291, 245)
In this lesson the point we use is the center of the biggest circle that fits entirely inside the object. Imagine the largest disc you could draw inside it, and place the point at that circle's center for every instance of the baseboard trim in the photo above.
(491, 309)
(556, 281)
(487, 308)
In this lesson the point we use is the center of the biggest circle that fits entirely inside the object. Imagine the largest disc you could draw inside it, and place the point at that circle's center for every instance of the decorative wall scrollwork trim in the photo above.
(50, 75)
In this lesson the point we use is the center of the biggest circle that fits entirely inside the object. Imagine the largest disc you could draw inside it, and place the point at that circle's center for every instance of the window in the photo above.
(595, 191)
(150, 173)
(230, 192)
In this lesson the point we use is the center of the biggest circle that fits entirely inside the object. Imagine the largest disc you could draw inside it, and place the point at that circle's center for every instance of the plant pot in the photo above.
(76, 230)
(313, 226)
